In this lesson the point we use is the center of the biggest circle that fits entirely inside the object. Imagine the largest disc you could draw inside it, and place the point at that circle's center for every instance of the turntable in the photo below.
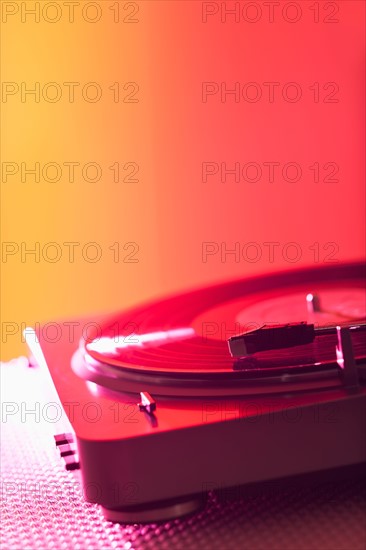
(244, 382)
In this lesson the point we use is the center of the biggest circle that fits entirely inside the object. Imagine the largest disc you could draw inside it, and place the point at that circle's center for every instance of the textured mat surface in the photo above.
(43, 506)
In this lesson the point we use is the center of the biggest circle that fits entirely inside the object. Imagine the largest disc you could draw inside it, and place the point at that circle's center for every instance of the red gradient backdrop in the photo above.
(149, 98)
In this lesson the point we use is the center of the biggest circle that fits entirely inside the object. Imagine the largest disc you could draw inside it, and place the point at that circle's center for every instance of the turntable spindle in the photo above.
(313, 303)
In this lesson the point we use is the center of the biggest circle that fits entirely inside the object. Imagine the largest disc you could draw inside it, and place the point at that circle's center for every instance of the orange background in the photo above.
(169, 51)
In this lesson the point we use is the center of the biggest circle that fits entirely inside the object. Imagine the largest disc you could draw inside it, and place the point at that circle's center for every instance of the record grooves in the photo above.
(168, 353)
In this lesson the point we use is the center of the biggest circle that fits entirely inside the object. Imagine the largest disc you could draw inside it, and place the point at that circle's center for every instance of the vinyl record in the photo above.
(178, 346)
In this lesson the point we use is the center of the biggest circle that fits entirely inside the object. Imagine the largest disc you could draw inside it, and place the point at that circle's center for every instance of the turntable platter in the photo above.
(179, 345)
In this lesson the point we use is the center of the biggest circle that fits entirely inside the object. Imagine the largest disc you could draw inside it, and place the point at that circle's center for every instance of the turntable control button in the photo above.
(271, 337)
(63, 439)
(71, 462)
(148, 404)
(66, 450)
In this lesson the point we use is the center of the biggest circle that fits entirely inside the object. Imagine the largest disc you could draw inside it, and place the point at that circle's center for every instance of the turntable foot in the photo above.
(155, 512)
